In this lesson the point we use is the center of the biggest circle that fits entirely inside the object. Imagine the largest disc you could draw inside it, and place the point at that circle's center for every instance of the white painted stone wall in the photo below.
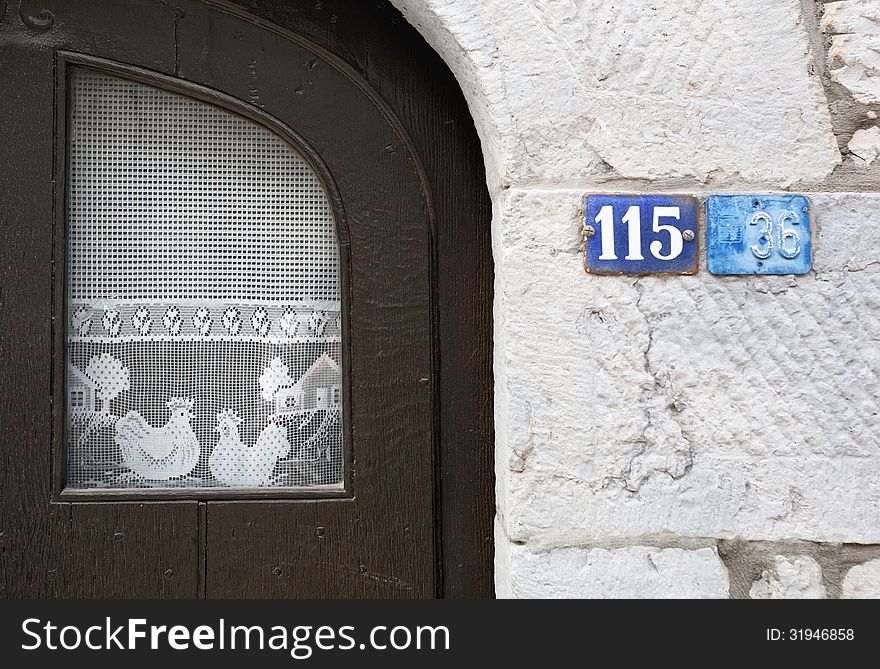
(641, 421)
(790, 578)
(854, 57)
(862, 581)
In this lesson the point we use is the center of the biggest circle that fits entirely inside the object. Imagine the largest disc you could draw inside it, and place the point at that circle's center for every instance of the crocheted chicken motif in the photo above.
(236, 464)
(159, 453)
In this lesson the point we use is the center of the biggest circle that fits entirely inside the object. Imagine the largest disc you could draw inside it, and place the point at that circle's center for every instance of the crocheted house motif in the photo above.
(319, 388)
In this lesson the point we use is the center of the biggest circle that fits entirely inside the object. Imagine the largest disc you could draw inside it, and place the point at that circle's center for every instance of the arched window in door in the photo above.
(203, 294)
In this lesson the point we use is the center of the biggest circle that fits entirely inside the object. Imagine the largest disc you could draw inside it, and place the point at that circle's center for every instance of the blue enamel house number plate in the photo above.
(758, 234)
(640, 234)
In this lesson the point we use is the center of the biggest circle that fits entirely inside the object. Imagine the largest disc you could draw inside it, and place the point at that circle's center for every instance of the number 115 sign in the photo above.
(640, 234)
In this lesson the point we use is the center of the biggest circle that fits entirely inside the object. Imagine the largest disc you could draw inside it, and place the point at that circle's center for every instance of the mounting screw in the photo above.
(688, 235)
(589, 231)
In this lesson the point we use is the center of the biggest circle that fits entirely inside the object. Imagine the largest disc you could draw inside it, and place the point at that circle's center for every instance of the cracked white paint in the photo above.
(790, 578)
(620, 573)
(854, 56)
(566, 91)
(691, 406)
(865, 146)
(852, 17)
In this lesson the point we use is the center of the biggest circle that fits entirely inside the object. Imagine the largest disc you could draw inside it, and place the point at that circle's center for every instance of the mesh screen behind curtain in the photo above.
(203, 297)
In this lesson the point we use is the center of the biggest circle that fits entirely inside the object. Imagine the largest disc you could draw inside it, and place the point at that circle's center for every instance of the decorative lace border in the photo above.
(112, 321)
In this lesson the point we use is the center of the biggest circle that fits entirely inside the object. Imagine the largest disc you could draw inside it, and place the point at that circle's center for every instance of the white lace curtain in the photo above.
(203, 294)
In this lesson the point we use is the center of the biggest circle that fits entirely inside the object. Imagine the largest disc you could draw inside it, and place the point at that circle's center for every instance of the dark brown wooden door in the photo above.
(374, 113)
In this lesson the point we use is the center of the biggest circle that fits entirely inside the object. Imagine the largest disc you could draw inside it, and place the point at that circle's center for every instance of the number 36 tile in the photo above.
(758, 234)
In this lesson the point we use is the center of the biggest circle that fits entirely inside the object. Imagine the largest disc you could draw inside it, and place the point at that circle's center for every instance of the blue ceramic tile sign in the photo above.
(640, 234)
(758, 234)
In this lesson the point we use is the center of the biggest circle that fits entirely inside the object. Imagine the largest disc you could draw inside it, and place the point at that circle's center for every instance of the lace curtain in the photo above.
(204, 335)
